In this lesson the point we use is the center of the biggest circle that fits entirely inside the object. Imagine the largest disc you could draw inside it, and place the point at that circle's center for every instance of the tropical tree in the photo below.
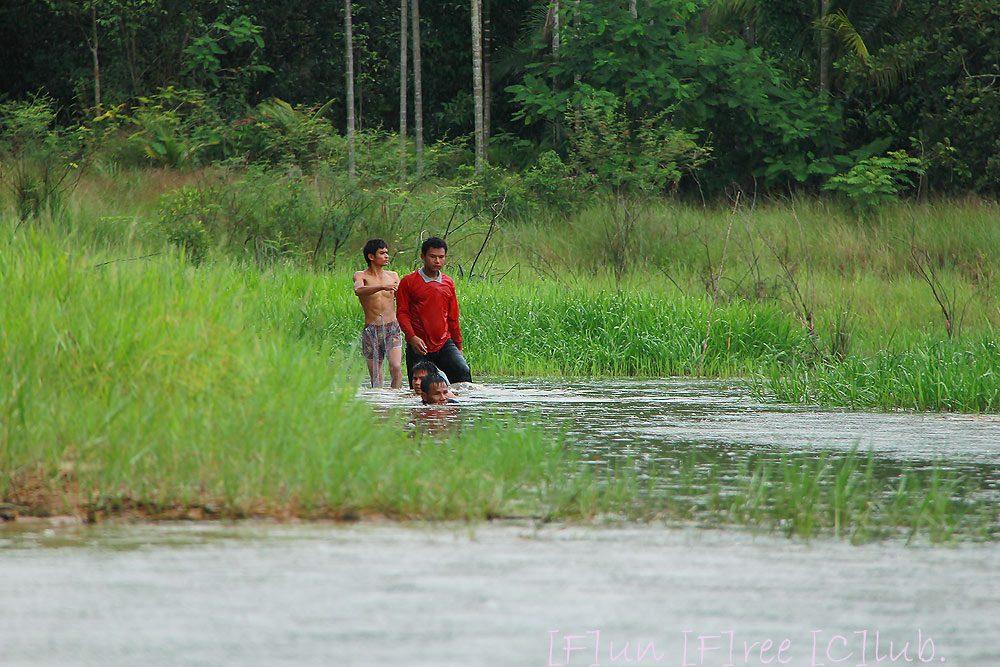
(724, 91)
(418, 89)
(349, 76)
(477, 83)
(403, 18)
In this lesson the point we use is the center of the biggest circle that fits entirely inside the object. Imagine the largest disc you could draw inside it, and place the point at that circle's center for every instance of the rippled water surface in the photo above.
(669, 420)
(521, 594)
(256, 594)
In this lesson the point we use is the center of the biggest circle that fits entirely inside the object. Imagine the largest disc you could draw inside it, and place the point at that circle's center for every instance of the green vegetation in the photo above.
(933, 376)
(782, 94)
(846, 495)
(158, 389)
(819, 305)
(727, 193)
(152, 387)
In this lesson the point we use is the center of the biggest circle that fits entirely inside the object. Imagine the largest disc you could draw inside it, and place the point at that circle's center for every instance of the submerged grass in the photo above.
(843, 495)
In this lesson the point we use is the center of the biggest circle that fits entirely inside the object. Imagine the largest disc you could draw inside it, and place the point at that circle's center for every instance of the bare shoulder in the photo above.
(359, 277)
(393, 275)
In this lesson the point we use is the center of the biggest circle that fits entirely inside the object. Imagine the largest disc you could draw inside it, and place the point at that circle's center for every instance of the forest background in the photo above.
(835, 161)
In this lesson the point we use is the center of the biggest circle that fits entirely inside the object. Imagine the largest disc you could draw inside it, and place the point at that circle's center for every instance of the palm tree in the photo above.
(348, 36)
(402, 89)
(477, 82)
(418, 91)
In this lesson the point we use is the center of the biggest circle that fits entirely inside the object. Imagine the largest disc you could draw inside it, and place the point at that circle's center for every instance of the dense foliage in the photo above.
(779, 94)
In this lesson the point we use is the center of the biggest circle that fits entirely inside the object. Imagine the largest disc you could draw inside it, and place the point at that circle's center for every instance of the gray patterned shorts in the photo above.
(378, 339)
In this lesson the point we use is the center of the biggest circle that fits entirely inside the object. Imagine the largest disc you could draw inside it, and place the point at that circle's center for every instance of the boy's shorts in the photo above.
(378, 339)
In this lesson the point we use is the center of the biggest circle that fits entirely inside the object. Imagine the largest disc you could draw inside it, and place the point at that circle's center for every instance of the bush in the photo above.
(876, 180)
(553, 184)
(43, 162)
(269, 213)
(177, 128)
(276, 132)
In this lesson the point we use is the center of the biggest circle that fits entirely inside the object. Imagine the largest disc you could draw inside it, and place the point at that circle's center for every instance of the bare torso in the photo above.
(380, 305)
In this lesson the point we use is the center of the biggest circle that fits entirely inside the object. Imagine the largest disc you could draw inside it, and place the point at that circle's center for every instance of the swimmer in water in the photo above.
(434, 390)
(422, 370)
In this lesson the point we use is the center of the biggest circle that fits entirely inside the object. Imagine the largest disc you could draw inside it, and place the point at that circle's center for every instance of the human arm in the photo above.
(361, 289)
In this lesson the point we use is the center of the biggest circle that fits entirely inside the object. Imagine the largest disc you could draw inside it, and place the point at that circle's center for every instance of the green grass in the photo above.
(154, 385)
(959, 377)
(805, 495)
(137, 382)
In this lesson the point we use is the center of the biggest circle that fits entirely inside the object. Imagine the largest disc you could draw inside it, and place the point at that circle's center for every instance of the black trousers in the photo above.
(449, 359)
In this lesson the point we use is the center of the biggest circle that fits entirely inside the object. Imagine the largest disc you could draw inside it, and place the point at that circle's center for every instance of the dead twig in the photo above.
(127, 259)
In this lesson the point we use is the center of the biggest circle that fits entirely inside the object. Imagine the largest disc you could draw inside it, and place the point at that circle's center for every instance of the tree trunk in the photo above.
(556, 40)
(349, 37)
(824, 49)
(477, 83)
(555, 31)
(632, 9)
(577, 121)
(403, 16)
(418, 91)
(97, 61)
(487, 75)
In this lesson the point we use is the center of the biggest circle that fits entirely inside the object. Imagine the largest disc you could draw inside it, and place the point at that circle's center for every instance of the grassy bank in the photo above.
(159, 390)
(150, 387)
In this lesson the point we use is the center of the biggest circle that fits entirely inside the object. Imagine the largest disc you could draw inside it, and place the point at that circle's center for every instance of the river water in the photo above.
(510, 593)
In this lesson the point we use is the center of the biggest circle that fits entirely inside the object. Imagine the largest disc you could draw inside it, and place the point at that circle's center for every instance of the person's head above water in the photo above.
(434, 389)
(421, 370)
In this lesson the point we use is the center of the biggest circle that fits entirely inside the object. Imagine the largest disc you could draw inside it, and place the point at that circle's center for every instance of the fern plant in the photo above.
(876, 180)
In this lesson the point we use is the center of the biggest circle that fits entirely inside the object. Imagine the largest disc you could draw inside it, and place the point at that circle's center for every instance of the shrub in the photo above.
(177, 127)
(43, 162)
(553, 184)
(876, 180)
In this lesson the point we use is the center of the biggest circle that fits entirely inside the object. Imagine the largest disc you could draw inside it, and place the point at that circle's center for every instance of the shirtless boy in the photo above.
(381, 337)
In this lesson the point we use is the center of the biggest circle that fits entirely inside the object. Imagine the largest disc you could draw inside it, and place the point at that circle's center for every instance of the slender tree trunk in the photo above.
(824, 50)
(555, 30)
(632, 9)
(556, 42)
(348, 35)
(577, 121)
(403, 18)
(487, 75)
(477, 83)
(418, 91)
(97, 60)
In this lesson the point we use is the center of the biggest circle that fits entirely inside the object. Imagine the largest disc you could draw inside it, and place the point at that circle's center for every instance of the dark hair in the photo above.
(431, 379)
(428, 366)
(433, 242)
(373, 247)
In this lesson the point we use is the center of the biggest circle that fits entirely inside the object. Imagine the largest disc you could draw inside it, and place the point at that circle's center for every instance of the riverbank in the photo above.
(158, 390)
(142, 385)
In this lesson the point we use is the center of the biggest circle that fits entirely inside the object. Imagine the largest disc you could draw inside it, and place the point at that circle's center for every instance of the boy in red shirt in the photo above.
(427, 310)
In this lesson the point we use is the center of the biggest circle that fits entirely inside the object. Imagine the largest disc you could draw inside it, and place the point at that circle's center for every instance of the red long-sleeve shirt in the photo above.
(428, 309)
